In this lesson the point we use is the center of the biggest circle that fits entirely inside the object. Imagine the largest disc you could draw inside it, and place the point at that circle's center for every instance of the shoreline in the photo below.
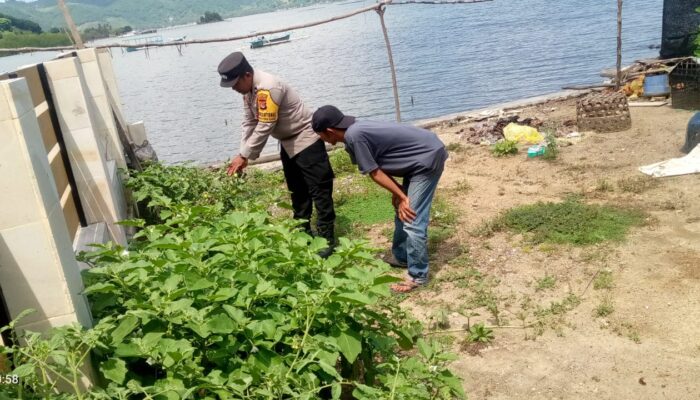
(266, 159)
(495, 109)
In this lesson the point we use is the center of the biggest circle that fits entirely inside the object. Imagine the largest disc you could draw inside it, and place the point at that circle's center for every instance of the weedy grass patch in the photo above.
(604, 280)
(605, 308)
(443, 218)
(455, 147)
(546, 282)
(637, 184)
(341, 162)
(359, 204)
(569, 222)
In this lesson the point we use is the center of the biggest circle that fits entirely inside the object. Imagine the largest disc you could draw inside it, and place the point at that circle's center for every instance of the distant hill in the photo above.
(139, 13)
(10, 23)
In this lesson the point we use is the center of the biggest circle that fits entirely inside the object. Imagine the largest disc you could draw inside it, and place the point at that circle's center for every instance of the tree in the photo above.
(210, 17)
(98, 32)
(697, 38)
(22, 24)
(5, 24)
(123, 30)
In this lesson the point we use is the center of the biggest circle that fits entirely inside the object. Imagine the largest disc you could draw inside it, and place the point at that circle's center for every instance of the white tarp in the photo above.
(690, 164)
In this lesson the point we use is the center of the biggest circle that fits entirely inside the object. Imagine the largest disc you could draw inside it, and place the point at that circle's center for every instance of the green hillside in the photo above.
(139, 13)
(17, 32)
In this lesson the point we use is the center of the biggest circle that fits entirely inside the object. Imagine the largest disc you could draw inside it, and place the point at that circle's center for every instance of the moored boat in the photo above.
(262, 41)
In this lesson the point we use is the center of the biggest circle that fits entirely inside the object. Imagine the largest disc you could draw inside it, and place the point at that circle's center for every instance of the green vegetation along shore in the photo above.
(140, 14)
(17, 32)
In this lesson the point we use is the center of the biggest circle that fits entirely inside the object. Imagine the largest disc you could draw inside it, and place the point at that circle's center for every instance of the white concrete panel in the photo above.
(18, 97)
(40, 167)
(43, 326)
(96, 86)
(19, 200)
(104, 208)
(105, 60)
(86, 237)
(137, 131)
(31, 272)
(69, 98)
(86, 55)
(115, 180)
(69, 265)
(5, 111)
(61, 69)
(93, 78)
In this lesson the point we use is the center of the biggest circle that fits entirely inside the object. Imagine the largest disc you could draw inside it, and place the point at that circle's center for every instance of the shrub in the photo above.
(551, 151)
(504, 148)
(160, 187)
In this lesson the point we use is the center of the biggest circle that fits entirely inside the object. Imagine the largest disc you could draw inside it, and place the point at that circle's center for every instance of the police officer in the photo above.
(273, 108)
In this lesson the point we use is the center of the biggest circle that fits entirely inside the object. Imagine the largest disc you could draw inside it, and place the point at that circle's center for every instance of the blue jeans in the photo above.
(410, 244)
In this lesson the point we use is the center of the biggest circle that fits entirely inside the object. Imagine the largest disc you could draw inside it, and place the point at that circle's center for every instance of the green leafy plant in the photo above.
(551, 150)
(45, 364)
(159, 187)
(504, 148)
(480, 333)
(221, 300)
(440, 319)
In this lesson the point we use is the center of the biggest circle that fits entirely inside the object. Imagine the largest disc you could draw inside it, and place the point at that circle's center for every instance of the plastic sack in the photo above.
(522, 134)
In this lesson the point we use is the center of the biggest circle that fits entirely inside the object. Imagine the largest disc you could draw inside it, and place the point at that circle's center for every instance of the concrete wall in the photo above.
(37, 265)
(105, 128)
(80, 102)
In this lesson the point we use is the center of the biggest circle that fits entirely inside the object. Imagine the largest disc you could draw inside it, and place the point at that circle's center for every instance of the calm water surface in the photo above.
(449, 58)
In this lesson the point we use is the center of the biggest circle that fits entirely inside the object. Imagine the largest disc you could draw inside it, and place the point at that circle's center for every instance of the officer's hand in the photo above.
(405, 212)
(237, 165)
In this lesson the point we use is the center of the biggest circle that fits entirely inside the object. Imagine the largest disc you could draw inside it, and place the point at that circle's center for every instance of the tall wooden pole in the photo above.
(618, 80)
(380, 11)
(71, 25)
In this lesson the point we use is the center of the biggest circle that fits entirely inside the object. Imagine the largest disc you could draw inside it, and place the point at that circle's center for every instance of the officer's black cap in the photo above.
(233, 67)
(330, 117)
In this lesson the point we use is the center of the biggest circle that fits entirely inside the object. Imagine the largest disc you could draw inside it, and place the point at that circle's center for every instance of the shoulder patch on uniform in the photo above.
(267, 108)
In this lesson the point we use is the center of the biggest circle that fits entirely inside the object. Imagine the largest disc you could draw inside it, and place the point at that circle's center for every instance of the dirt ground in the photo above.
(648, 347)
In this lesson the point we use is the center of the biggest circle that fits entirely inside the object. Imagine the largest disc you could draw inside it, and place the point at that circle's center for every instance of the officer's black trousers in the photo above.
(309, 177)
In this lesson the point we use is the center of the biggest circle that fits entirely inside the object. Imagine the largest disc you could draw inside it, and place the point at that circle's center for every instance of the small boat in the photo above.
(142, 42)
(262, 41)
(178, 39)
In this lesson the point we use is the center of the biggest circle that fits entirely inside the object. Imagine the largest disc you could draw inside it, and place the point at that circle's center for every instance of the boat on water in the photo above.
(142, 42)
(262, 41)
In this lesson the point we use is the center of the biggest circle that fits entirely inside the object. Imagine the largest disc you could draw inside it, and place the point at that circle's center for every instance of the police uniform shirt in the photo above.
(273, 108)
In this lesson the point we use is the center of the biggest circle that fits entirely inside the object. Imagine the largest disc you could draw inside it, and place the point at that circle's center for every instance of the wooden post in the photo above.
(380, 11)
(618, 80)
(71, 25)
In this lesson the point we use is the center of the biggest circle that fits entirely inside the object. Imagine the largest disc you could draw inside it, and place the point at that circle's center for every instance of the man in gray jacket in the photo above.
(273, 108)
